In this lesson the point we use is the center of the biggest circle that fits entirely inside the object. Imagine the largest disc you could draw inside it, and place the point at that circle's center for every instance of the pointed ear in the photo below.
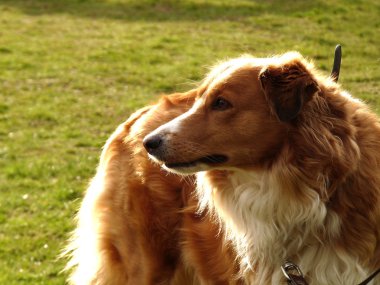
(288, 87)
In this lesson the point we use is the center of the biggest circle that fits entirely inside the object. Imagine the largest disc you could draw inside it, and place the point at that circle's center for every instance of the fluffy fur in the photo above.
(139, 224)
(300, 174)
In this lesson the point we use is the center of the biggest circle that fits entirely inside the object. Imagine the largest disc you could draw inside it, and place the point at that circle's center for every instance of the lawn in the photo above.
(71, 71)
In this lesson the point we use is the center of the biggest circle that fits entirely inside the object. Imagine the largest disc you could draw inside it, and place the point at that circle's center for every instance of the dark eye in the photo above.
(221, 104)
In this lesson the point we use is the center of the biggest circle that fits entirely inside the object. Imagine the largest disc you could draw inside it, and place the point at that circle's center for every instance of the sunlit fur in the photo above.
(301, 184)
(139, 224)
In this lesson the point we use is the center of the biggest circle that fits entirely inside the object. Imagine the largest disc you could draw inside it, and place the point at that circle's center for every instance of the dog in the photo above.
(288, 162)
(139, 224)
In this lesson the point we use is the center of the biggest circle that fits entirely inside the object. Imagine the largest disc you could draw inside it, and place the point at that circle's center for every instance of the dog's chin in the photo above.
(187, 170)
(192, 167)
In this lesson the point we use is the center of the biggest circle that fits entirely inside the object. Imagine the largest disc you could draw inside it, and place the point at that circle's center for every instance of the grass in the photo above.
(71, 71)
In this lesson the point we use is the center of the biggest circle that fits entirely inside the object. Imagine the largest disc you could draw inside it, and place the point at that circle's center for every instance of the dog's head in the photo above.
(243, 111)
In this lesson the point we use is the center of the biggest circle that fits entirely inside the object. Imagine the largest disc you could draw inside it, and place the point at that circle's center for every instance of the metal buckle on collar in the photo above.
(291, 270)
(294, 275)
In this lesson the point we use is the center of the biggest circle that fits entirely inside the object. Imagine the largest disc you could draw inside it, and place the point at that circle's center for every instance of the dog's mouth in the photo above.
(209, 159)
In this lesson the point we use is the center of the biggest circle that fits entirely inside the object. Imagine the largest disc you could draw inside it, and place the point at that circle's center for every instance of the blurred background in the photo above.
(72, 70)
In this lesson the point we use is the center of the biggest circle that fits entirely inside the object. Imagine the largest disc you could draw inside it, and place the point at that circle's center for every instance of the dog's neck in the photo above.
(266, 215)
(270, 218)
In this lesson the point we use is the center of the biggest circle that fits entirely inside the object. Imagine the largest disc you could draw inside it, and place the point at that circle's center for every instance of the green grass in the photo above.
(71, 71)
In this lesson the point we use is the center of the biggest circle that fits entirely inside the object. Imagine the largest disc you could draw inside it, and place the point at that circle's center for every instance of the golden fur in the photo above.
(139, 224)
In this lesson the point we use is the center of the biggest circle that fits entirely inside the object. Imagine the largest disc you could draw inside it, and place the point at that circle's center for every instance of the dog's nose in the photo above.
(152, 143)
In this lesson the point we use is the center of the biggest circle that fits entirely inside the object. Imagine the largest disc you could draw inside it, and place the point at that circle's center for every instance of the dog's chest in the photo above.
(268, 225)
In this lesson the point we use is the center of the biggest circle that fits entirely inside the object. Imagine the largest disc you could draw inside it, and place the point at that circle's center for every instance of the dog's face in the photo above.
(234, 121)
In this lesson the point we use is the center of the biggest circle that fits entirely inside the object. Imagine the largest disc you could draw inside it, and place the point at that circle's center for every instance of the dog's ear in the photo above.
(288, 87)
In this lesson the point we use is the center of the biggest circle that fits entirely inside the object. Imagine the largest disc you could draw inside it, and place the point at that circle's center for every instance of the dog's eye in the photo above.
(221, 104)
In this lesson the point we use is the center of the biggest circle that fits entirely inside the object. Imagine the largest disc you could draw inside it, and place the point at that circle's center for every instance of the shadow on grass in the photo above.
(160, 11)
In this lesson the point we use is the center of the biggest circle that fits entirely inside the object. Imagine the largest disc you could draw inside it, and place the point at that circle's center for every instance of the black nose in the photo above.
(152, 143)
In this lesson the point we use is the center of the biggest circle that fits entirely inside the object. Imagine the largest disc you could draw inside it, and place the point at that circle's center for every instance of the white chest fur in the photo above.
(271, 220)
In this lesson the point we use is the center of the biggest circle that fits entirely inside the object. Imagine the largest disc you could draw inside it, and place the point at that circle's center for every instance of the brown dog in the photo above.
(289, 162)
(139, 224)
